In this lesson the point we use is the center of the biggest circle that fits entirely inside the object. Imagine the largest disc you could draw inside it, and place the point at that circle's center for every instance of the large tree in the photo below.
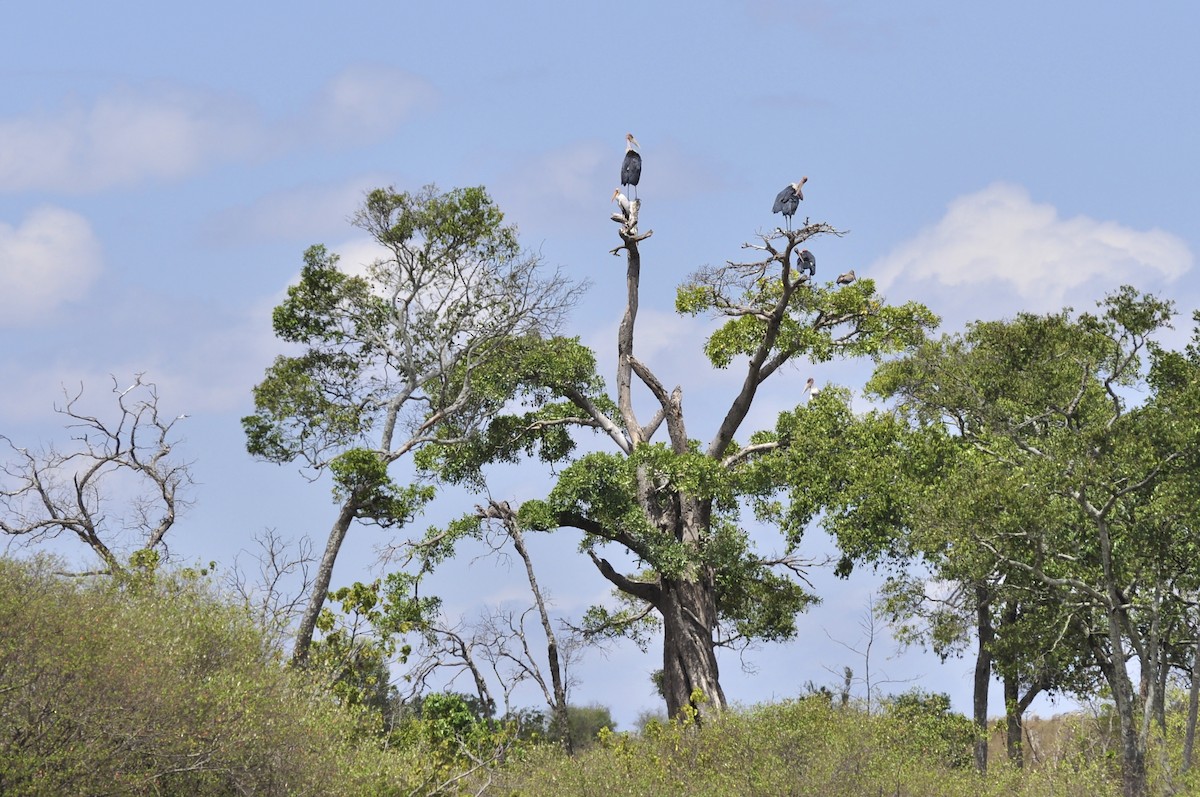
(1051, 406)
(916, 501)
(672, 503)
(391, 353)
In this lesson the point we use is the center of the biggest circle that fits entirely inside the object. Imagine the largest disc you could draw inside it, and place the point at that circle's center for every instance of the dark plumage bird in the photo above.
(847, 278)
(631, 167)
(807, 262)
(788, 200)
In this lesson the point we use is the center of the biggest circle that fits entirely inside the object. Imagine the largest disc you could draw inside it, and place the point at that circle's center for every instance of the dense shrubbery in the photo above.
(153, 684)
(800, 747)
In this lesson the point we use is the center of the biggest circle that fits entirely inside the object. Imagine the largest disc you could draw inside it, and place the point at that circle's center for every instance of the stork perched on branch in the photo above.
(807, 262)
(788, 200)
(622, 202)
(631, 167)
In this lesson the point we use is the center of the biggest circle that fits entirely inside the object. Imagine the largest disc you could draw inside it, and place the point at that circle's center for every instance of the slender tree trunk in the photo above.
(983, 673)
(1014, 730)
(1133, 752)
(560, 722)
(688, 609)
(1133, 747)
(320, 588)
(1189, 739)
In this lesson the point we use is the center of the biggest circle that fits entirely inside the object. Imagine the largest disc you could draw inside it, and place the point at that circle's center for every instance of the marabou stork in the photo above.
(807, 263)
(788, 200)
(631, 167)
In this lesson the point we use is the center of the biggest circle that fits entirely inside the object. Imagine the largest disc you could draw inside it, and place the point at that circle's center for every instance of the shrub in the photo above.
(792, 748)
(149, 686)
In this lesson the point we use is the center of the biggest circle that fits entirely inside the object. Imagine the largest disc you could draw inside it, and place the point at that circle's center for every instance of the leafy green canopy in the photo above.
(678, 506)
(390, 351)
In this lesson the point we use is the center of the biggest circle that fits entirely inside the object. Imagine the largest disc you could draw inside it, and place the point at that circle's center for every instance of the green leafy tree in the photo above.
(1047, 403)
(945, 589)
(392, 358)
(675, 504)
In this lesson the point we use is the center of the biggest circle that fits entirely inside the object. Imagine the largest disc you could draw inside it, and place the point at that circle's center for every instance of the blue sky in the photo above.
(163, 167)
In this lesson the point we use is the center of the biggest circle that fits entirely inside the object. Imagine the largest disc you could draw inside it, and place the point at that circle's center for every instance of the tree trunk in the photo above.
(560, 721)
(688, 611)
(1013, 722)
(1133, 752)
(983, 673)
(1189, 739)
(320, 588)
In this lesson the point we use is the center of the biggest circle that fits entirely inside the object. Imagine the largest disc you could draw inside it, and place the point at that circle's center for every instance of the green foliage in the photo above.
(539, 370)
(816, 322)
(940, 732)
(361, 477)
(463, 224)
(588, 724)
(161, 689)
(796, 747)
(361, 635)
(424, 335)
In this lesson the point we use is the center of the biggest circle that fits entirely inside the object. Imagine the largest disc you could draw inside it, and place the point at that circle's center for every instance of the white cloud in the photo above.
(167, 132)
(308, 212)
(51, 258)
(999, 239)
(365, 103)
(122, 138)
(559, 187)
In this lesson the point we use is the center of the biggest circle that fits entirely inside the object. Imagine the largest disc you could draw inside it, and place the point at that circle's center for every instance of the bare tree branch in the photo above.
(125, 461)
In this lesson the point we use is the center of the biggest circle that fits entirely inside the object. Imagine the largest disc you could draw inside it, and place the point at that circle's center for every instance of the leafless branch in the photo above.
(281, 578)
(124, 462)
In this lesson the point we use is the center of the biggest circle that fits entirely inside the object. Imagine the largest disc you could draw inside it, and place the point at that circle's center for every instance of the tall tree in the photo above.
(392, 354)
(915, 502)
(1048, 403)
(675, 505)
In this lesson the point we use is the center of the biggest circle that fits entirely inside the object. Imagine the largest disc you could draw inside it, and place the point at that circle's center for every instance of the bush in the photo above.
(791, 748)
(940, 733)
(150, 686)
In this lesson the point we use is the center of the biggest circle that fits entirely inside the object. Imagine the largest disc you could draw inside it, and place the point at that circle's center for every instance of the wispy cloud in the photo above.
(122, 138)
(51, 258)
(999, 239)
(307, 211)
(367, 102)
(131, 135)
(571, 186)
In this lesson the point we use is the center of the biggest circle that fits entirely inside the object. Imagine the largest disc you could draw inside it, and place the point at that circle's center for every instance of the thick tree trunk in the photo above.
(983, 673)
(688, 611)
(320, 588)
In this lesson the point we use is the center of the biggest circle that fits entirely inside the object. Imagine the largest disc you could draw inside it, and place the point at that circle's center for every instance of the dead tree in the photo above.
(116, 486)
